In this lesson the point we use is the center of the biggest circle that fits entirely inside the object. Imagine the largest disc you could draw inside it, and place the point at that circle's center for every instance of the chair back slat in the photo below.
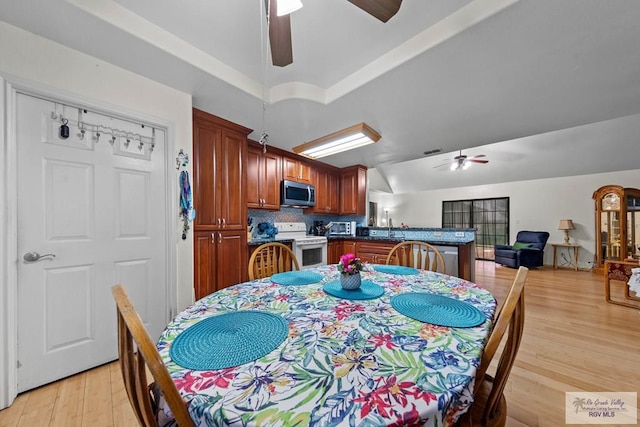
(271, 258)
(416, 254)
(510, 320)
(137, 354)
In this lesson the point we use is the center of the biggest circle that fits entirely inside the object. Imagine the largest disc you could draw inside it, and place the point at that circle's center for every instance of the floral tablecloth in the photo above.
(344, 362)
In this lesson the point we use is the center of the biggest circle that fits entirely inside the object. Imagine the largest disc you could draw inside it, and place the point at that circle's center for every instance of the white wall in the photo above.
(54, 67)
(534, 205)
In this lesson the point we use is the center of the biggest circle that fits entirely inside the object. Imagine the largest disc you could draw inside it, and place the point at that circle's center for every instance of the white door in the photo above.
(97, 204)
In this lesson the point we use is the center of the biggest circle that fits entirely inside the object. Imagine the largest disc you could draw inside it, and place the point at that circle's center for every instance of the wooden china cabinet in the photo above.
(617, 217)
(219, 197)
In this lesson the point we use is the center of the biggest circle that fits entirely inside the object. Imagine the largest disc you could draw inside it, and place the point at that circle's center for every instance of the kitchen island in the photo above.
(456, 245)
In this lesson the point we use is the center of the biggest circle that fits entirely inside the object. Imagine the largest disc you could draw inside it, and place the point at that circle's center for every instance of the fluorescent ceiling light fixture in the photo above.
(285, 7)
(337, 142)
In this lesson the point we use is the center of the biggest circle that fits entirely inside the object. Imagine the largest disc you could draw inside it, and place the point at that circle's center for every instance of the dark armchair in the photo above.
(528, 250)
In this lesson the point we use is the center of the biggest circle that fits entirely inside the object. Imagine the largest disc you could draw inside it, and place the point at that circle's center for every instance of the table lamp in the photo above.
(566, 225)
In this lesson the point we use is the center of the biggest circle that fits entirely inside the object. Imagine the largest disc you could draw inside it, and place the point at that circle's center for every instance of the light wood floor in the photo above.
(573, 341)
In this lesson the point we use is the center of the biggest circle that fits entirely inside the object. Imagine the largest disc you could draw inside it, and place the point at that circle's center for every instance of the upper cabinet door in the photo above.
(270, 182)
(327, 185)
(254, 160)
(333, 193)
(205, 138)
(296, 170)
(263, 179)
(231, 180)
(353, 183)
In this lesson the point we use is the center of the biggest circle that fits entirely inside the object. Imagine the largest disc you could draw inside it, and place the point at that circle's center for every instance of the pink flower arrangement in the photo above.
(349, 264)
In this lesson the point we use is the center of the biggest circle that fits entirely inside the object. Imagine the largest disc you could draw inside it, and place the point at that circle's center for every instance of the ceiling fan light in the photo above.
(285, 7)
(337, 142)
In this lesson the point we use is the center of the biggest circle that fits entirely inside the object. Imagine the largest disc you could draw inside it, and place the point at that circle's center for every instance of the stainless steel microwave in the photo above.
(297, 194)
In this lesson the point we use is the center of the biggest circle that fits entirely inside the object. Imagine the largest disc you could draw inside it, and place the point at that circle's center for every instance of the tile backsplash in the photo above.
(297, 215)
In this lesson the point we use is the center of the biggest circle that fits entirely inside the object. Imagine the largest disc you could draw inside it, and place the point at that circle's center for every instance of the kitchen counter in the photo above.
(436, 236)
(456, 245)
(399, 239)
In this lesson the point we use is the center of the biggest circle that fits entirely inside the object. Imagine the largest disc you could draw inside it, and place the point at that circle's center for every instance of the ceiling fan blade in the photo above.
(380, 9)
(477, 161)
(279, 37)
(478, 155)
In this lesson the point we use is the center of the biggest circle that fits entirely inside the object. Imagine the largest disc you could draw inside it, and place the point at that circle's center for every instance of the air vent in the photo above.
(434, 151)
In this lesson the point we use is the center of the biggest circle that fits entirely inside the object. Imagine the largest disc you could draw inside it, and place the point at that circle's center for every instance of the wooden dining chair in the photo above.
(137, 354)
(490, 406)
(271, 258)
(413, 253)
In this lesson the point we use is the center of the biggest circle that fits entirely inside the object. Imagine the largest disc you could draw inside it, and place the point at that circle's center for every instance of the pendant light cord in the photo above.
(264, 17)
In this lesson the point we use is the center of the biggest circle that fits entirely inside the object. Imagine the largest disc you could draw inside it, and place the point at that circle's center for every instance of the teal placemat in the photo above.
(438, 310)
(367, 290)
(227, 340)
(296, 278)
(395, 269)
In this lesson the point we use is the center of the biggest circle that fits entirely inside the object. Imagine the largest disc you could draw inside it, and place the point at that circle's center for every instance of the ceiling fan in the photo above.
(280, 26)
(462, 161)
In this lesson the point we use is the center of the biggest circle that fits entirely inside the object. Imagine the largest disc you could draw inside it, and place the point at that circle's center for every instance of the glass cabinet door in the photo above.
(633, 226)
(610, 227)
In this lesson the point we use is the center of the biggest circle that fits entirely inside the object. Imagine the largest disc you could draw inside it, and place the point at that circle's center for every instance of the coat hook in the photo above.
(182, 160)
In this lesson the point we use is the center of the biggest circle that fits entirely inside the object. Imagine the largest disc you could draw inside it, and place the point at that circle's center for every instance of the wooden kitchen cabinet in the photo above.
(219, 197)
(327, 185)
(337, 248)
(296, 170)
(374, 252)
(263, 179)
(353, 187)
(348, 247)
(219, 155)
(334, 250)
(219, 259)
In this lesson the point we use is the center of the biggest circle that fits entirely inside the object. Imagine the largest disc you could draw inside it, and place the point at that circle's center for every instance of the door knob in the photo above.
(35, 256)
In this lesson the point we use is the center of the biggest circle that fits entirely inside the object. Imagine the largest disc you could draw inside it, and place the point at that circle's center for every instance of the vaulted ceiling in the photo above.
(542, 87)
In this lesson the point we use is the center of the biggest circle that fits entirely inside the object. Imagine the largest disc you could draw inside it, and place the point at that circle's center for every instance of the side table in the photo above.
(576, 250)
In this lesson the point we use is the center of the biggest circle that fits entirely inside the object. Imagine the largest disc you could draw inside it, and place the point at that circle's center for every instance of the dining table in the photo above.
(296, 349)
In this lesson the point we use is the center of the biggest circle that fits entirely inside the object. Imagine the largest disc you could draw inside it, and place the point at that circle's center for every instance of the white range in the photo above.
(310, 251)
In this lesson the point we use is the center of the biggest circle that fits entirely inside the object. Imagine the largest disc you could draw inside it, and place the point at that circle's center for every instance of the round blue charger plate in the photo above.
(396, 269)
(367, 290)
(296, 278)
(438, 310)
(229, 339)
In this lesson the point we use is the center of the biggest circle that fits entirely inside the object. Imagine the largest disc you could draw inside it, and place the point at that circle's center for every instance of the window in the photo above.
(490, 218)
